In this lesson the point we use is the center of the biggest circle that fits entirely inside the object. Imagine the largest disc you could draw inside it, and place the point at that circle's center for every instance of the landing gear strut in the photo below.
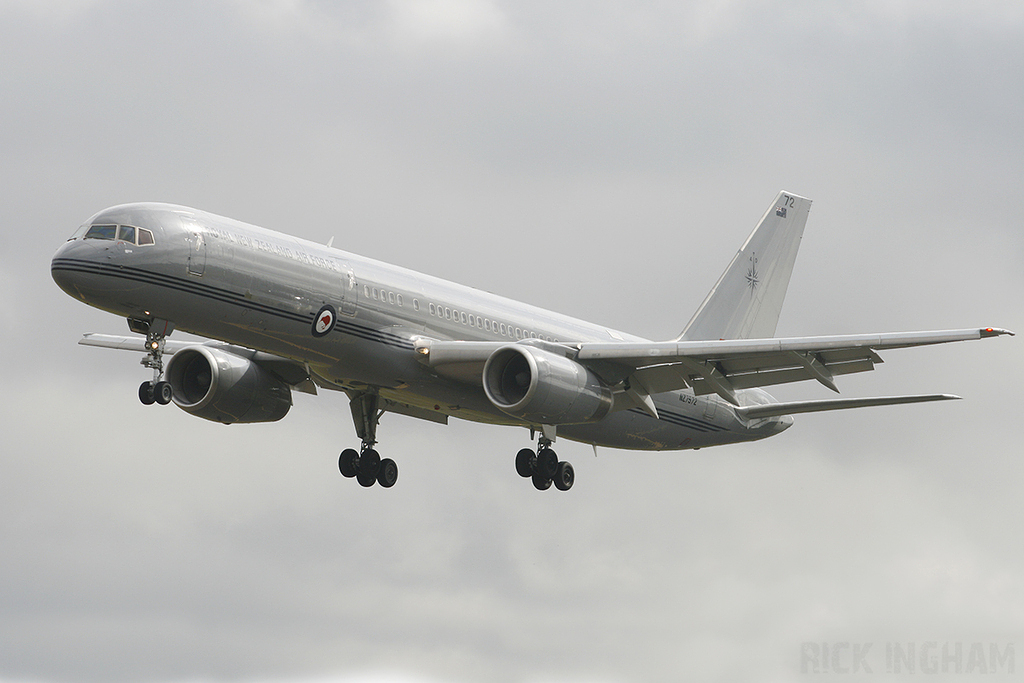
(366, 464)
(156, 391)
(543, 467)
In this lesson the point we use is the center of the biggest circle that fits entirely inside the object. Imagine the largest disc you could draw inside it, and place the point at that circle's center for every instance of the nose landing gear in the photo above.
(157, 331)
(155, 392)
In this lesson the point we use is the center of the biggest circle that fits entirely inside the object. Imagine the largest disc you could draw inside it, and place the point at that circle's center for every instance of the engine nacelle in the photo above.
(224, 387)
(544, 387)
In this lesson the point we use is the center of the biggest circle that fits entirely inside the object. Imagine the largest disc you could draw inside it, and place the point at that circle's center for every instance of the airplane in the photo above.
(284, 314)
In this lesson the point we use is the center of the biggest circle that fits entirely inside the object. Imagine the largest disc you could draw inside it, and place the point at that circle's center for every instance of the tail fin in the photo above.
(747, 300)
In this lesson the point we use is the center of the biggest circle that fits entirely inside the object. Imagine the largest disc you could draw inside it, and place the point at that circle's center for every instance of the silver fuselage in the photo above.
(238, 283)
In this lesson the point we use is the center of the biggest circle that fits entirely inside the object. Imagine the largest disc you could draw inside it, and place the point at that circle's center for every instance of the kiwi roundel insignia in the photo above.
(323, 323)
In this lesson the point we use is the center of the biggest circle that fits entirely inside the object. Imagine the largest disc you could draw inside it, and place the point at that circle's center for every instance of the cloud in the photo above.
(446, 21)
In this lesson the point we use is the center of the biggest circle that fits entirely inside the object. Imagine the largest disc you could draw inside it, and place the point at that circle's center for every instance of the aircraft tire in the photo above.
(387, 473)
(146, 393)
(369, 463)
(547, 463)
(366, 480)
(347, 463)
(565, 476)
(525, 463)
(541, 483)
(162, 393)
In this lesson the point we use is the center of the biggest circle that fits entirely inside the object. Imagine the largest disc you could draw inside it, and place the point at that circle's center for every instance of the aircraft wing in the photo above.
(133, 343)
(289, 371)
(719, 366)
(723, 366)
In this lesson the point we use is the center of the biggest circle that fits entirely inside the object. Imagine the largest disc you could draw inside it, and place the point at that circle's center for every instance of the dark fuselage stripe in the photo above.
(224, 296)
(682, 420)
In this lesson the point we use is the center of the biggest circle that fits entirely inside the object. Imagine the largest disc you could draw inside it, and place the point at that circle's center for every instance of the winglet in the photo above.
(995, 332)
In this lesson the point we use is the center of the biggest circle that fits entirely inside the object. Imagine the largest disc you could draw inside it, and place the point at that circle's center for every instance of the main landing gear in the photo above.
(544, 467)
(366, 465)
(157, 391)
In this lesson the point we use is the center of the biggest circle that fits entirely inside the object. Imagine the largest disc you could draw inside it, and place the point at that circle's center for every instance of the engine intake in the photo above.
(224, 387)
(543, 387)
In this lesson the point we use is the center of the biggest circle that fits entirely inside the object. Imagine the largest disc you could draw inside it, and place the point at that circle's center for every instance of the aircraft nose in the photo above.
(66, 266)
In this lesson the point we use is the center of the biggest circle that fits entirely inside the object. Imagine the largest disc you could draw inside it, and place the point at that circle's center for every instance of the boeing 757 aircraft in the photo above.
(285, 314)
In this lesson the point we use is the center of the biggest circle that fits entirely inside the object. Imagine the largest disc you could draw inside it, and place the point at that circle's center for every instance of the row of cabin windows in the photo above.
(485, 324)
(447, 313)
(385, 296)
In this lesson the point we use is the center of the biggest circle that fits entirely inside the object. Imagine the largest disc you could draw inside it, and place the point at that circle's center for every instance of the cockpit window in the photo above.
(101, 232)
(122, 233)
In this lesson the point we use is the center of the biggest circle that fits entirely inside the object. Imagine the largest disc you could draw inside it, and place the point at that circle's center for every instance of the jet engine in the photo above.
(224, 387)
(543, 387)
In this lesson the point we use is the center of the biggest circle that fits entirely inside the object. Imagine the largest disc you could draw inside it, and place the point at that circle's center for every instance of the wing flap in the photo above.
(769, 378)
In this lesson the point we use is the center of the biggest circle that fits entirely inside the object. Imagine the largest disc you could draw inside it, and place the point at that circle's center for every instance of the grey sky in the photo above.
(603, 160)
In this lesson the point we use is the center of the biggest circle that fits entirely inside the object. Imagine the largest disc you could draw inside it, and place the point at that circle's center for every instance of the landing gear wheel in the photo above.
(369, 463)
(146, 393)
(162, 393)
(564, 476)
(387, 473)
(365, 479)
(348, 463)
(541, 483)
(525, 462)
(547, 463)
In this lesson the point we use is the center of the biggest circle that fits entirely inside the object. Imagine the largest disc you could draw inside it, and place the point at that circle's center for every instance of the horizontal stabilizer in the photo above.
(777, 409)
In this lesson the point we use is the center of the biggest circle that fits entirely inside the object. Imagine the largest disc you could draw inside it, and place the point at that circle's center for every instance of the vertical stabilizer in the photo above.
(747, 300)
